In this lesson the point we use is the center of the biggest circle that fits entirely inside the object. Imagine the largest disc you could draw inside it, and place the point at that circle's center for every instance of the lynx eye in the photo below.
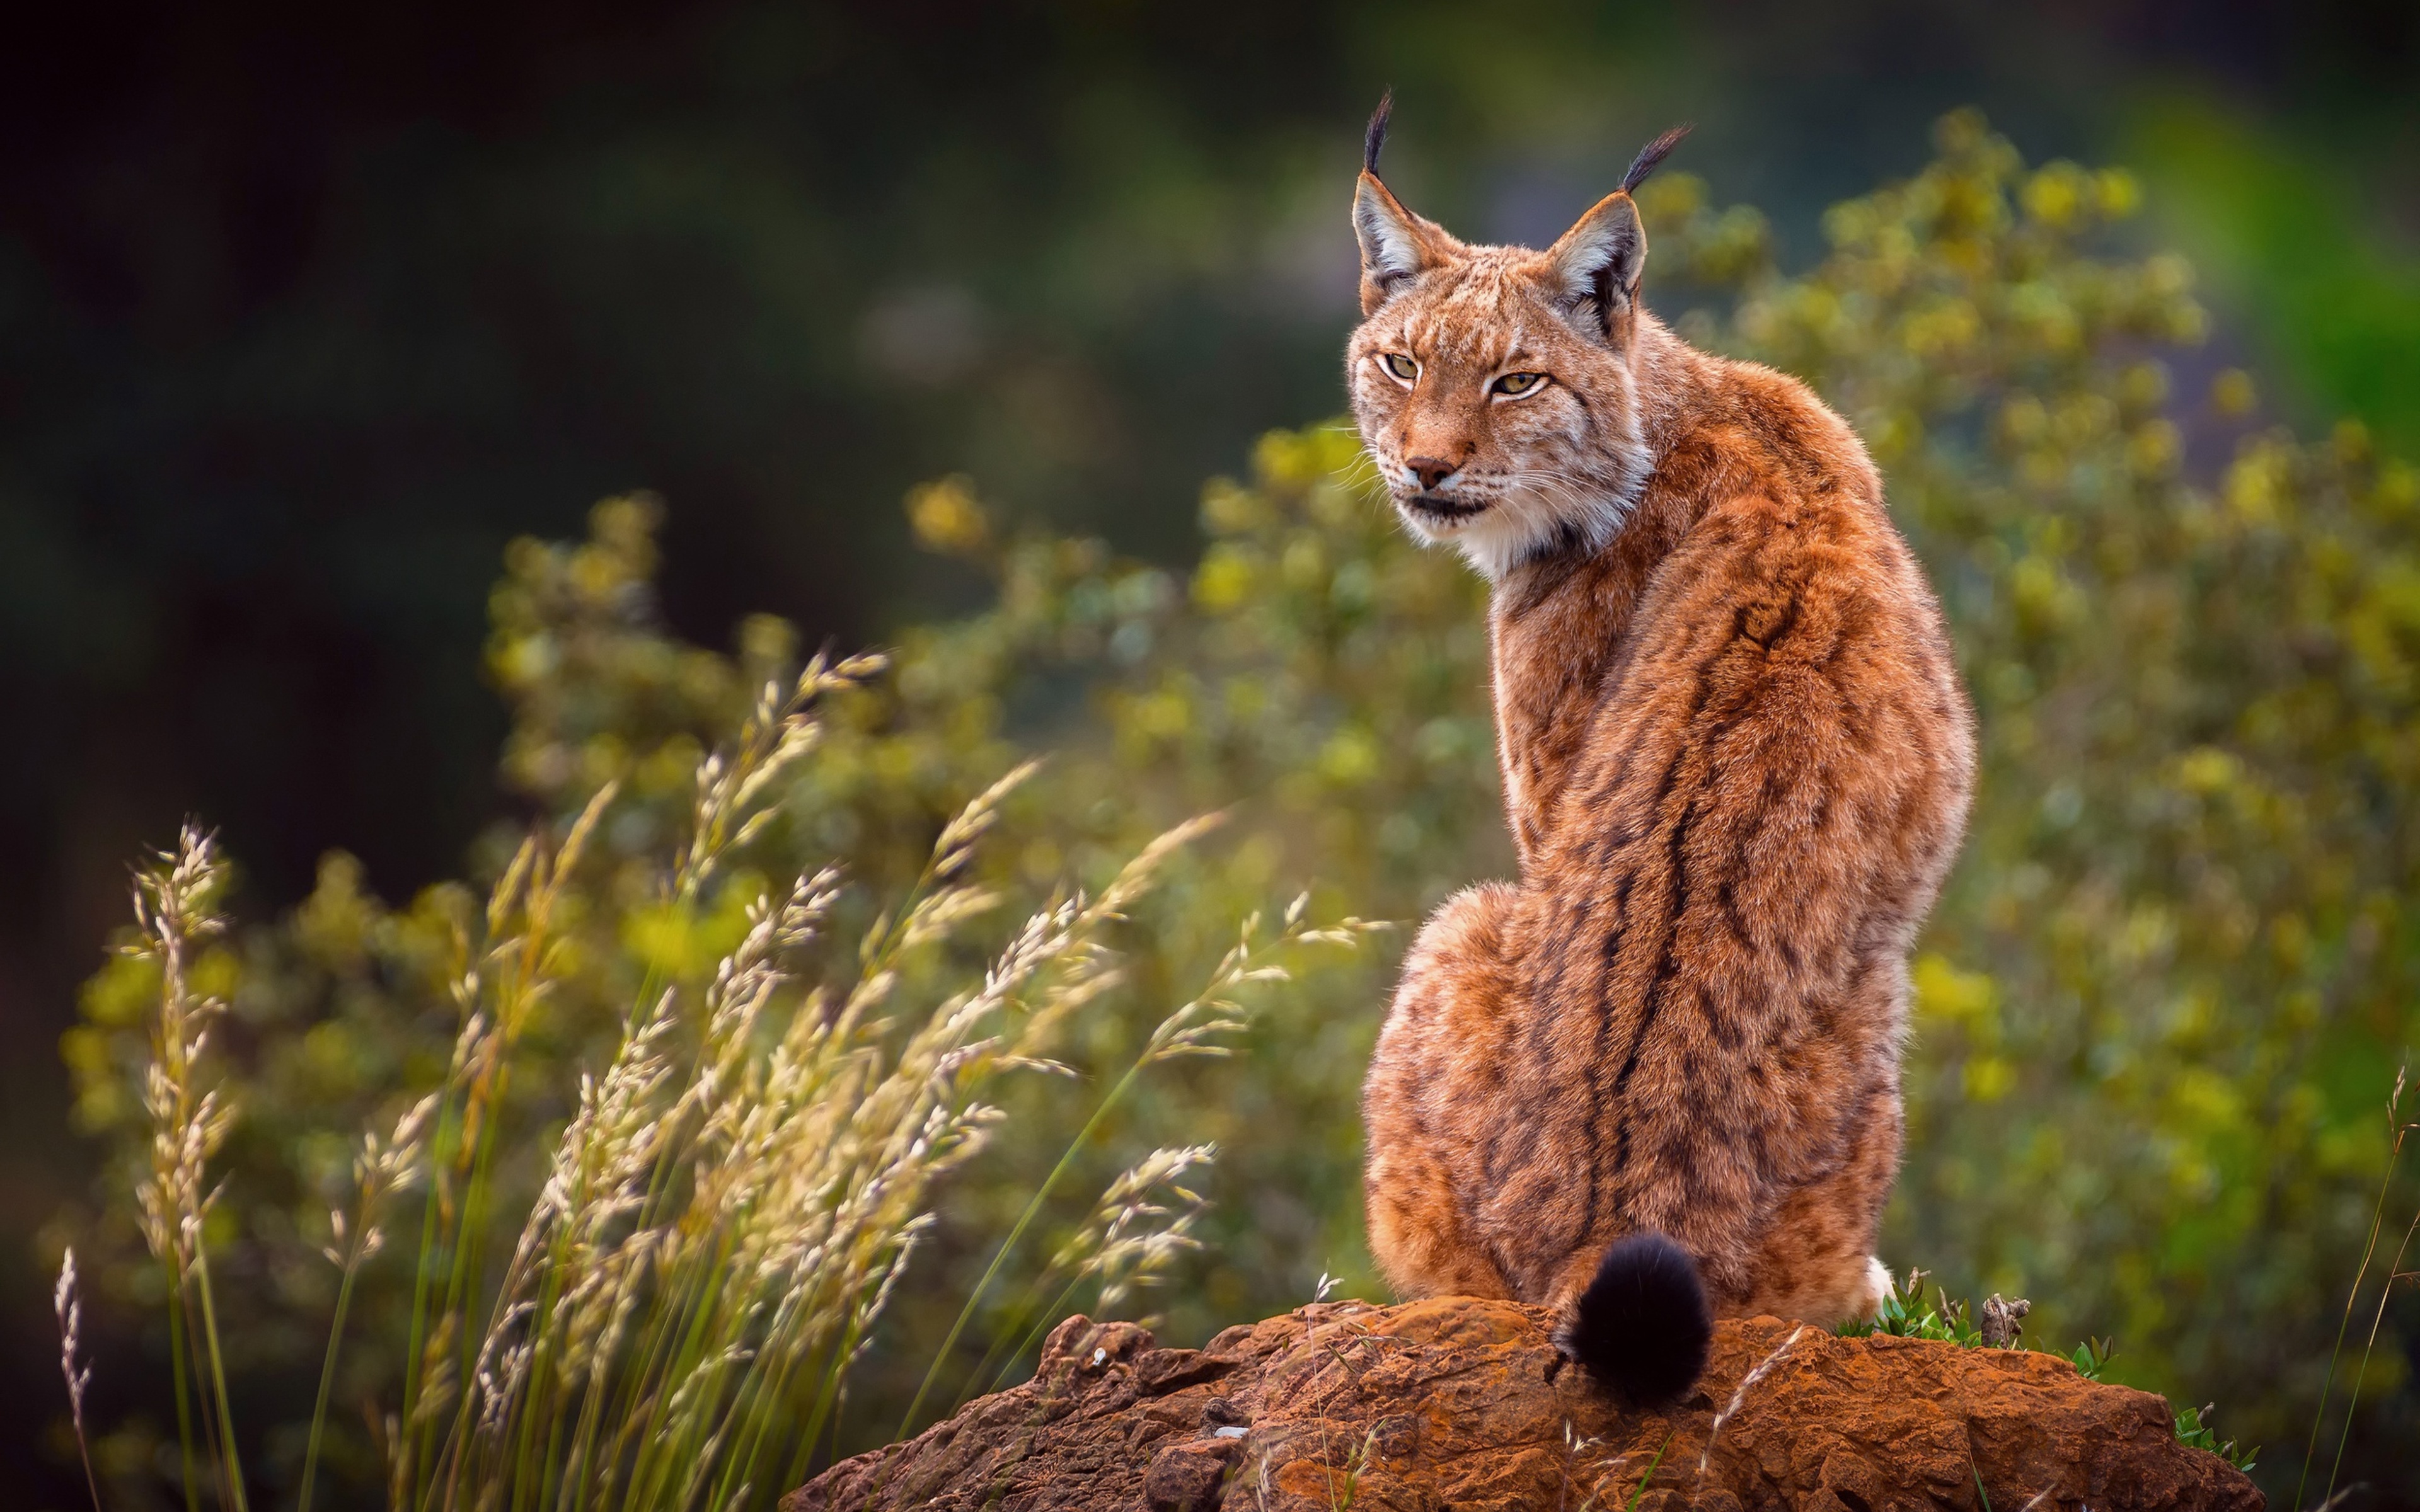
(1515, 385)
(1401, 366)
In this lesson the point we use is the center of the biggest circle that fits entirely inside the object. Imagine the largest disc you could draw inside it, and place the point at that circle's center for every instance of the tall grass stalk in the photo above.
(1197, 1028)
(68, 1305)
(231, 1458)
(1115, 1248)
(173, 914)
(381, 1168)
(2395, 1271)
(803, 1156)
(778, 732)
(504, 989)
(723, 1226)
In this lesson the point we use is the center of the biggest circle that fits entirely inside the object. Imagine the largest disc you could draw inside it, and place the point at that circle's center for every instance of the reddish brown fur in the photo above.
(1736, 763)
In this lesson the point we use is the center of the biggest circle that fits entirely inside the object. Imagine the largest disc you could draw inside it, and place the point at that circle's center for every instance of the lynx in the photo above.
(1655, 1080)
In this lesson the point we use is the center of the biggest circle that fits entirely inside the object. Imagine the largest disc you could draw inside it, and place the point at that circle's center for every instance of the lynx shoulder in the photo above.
(1655, 1079)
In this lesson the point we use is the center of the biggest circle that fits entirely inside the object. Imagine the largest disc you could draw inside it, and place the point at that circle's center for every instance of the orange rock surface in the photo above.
(1462, 1404)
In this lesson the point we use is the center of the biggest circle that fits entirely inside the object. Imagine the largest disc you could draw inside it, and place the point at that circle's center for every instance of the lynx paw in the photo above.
(1878, 1284)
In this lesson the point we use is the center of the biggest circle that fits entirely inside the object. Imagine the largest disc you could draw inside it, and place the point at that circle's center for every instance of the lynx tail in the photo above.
(1642, 1325)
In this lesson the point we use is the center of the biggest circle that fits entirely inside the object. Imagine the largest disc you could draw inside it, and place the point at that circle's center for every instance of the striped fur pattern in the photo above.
(1736, 763)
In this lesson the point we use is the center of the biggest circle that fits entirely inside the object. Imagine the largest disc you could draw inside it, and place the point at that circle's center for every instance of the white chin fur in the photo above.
(1514, 529)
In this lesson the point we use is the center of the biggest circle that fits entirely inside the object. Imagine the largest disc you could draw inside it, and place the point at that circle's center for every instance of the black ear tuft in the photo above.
(1643, 1326)
(1648, 156)
(1374, 140)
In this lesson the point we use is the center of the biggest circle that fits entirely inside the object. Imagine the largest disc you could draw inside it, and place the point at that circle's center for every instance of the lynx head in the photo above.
(1496, 388)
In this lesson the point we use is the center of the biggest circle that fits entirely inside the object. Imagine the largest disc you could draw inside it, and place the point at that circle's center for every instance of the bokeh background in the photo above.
(304, 313)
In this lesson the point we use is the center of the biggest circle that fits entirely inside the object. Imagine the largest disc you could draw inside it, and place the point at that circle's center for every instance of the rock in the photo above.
(1463, 1404)
(1191, 1476)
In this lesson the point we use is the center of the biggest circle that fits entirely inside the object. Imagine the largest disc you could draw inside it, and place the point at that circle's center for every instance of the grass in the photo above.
(68, 1303)
(739, 1192)
(1355, 1464)
(1645, 1478)
(1574, 1447)
(174, 920)
(2399, 1128)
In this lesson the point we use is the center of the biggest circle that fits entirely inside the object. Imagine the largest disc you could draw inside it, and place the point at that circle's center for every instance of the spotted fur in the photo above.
(1736, 763)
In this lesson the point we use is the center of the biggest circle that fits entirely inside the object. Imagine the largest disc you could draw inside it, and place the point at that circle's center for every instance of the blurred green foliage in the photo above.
(2157, 1011)
(2293, 238)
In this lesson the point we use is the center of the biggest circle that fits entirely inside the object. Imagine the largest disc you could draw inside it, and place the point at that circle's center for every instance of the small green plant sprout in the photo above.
(2194, 1432)
(1906, 1314)
(2092, 1358)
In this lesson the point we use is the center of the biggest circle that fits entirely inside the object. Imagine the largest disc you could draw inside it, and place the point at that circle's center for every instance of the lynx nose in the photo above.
(1430, 470)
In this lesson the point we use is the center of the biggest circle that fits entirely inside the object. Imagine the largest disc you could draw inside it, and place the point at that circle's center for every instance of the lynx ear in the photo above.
(1396, 245)
(1592, 270)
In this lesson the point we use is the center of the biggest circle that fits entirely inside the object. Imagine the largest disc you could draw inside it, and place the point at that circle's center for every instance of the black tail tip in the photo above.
(1642, 1327)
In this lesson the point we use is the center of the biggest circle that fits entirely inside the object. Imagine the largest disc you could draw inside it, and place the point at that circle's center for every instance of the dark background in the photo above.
(305, 311)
